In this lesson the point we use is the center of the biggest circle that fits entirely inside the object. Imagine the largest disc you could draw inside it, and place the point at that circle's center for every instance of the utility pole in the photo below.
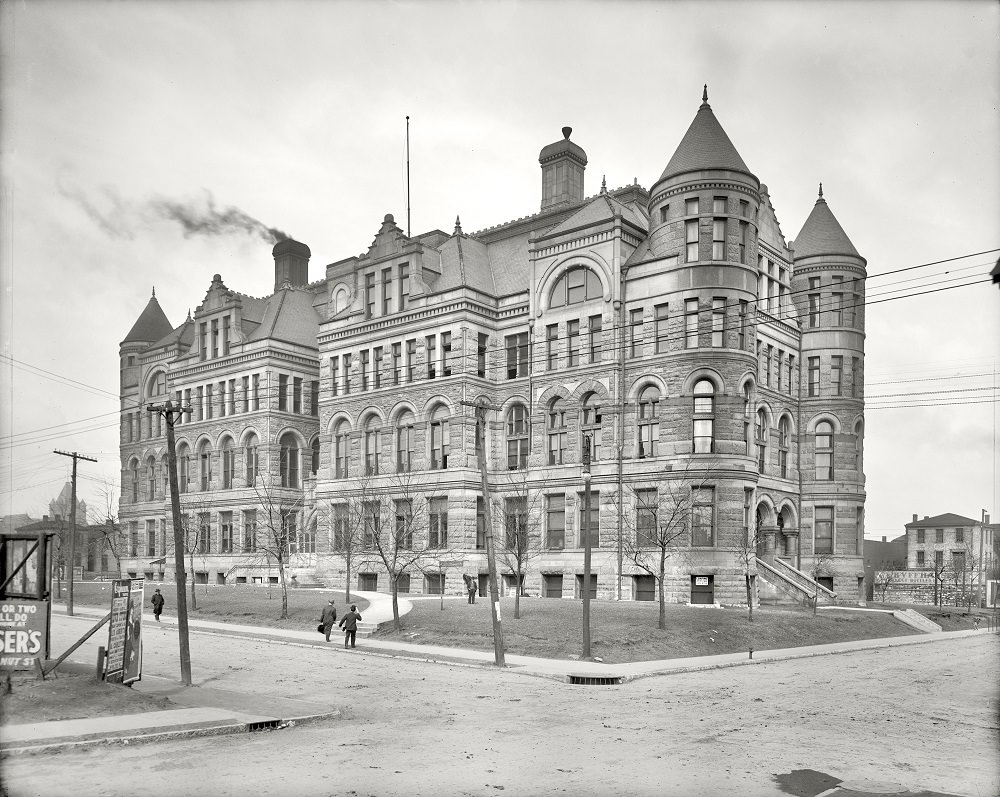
(169, 412)
(72, 526)
(491, 560)
(585, 530)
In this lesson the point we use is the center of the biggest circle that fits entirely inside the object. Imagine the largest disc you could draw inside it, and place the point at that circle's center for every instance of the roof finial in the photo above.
(154, 291)
(704, 95)
(821, 190)
(604, 184)
(458, 226)
(189, 314)
(567, 132)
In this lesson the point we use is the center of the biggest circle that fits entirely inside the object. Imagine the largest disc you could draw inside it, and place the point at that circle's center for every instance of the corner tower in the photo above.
(828, 286)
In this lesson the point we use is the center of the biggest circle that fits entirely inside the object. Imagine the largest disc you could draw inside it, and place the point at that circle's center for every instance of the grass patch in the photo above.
(243, 604)
(627, 631)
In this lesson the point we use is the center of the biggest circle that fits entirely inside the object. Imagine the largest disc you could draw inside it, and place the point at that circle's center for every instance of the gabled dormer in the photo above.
(217, 322)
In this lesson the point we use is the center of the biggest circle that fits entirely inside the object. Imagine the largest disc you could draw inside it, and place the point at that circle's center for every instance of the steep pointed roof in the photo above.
(822, 234)
(152, 324)
(705, 146)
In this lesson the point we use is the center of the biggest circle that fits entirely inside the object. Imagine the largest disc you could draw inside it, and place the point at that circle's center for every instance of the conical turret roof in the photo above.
(705, 146)
(822, 234)
(151, 326)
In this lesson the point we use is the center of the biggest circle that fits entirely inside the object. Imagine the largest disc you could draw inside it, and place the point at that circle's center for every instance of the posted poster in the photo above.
(23, 625)
(124, 655)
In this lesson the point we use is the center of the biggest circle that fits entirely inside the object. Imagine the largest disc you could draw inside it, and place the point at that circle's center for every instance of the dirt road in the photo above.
(924, 717)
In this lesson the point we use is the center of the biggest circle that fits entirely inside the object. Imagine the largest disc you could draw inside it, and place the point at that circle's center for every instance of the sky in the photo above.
(118, 118)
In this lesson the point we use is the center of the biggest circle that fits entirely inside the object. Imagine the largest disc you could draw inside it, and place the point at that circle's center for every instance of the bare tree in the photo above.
(939, 571)
(746, 559)
(105, 518)
(661, 518)
(277, 532)
(394, 522)
(346, 521)
(821, 566)
(885, 579)
(517, 516)
(963, 572)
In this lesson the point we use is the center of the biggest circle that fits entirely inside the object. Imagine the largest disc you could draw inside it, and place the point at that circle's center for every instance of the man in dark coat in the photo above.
(350, 625)
(329, 618)
(157, 601)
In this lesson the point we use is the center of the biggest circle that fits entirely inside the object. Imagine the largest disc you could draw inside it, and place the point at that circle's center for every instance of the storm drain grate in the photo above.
(263, 725)
(596, 680)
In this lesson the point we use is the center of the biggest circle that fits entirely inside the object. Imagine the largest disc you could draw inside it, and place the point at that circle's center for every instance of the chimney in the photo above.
(291, 264)
(914, 518)
(563, 164)
(883, 539)
(45, 518)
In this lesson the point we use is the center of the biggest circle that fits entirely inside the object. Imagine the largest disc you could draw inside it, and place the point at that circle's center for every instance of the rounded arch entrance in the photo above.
(777, 530)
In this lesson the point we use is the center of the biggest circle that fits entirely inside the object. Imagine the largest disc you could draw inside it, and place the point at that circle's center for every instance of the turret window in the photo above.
(704, 417)
(824, 451)
(718, 239)
(691, 237)
(690, 323)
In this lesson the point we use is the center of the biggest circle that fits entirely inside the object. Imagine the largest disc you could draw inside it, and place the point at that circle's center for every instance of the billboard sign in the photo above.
(124, 654)
(23, 627)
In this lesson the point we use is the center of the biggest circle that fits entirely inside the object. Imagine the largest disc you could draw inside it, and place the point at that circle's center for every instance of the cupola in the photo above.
(563, 164)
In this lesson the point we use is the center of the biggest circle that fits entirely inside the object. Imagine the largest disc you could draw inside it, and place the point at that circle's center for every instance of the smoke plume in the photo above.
(119, 218)
(211, 220)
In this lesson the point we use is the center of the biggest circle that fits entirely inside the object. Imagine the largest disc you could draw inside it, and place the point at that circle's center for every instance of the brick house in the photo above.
(702, 355)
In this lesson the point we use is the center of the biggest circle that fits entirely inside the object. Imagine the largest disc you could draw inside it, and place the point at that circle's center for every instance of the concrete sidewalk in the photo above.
(210, 710)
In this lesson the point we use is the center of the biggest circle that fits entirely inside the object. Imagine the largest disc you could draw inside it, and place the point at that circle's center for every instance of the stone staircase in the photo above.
(782, 583)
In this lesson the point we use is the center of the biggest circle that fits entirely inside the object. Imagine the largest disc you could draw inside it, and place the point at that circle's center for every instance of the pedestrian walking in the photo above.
(328, 618)
(157, 601)
(473, 589)
(350, 625)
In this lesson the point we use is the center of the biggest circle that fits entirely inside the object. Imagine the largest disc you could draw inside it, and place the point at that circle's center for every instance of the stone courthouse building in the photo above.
(715, 368)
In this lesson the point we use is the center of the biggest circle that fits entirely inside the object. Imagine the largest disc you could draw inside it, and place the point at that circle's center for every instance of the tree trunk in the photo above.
(284, 589)
(194, 599)
(395, 603)
(746, 575)
(347, 582)
(517, 592)
(661, 622)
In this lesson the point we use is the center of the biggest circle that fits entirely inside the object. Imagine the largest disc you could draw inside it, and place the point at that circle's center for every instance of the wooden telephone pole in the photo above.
(491, 557)
(72, 526)
(169, 412)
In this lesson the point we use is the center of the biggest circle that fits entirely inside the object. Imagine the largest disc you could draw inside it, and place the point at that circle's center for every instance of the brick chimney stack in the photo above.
(914, 518)
(291, 264)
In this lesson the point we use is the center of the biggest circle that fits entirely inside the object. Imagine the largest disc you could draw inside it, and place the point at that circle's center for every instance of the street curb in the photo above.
(177, 732)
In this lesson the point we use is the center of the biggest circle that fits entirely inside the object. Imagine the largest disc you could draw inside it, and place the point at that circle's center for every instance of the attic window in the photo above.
(576, 286)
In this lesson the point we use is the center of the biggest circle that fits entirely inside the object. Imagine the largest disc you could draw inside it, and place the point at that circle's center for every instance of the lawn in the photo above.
(627, 631)
(243, 604)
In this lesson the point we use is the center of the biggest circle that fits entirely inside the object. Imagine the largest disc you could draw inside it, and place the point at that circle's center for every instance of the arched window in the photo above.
(373, 445)
(556, 426)
(747, 403)
(859, 436)
(342, 450)
(183, 468)
(824, 451)
(315, 456)
(704, 417)
(590, 426)
(133, 467)
(784, 443)
(404, 442)
(288, 462)
(157, 385)
(517, 437)
(228, 463)
(760, 439)
(251, 459)
(205, 466)
(165, 472)
(440, 441)
(649, 422)
(151, 479)
(576, 286)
